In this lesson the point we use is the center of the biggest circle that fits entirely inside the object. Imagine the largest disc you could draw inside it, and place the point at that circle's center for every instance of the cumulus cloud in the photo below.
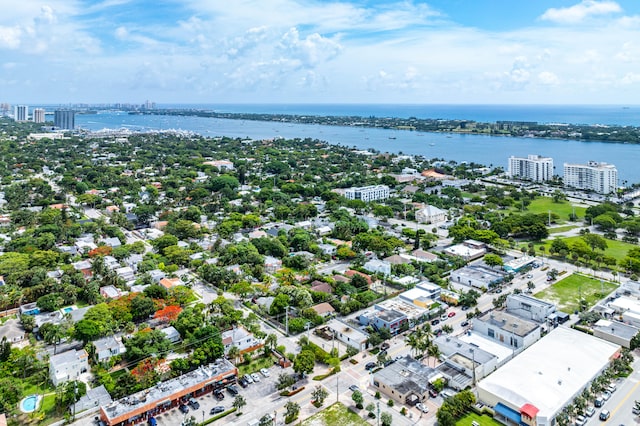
(311, 50)
(581, 11)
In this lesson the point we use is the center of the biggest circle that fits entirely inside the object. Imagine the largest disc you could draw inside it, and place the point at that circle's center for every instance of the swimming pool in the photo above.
(67, 309)
(29, 404)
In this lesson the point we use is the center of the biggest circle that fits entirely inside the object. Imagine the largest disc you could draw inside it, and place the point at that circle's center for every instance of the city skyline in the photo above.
(285, 51)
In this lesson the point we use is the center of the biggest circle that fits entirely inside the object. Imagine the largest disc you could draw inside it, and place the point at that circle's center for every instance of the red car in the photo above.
(451, 314)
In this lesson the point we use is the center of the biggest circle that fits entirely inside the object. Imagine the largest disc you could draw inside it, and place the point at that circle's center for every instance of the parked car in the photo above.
(184, 409)
(265, 372)
(232, 390)
(384, 346)
(248, 378)
(465, 308)
(354, 388)
(464, 323)
(611, 388)
(437, 332)
(635, 410)
(451, 314)
(218, 394)
(580, 421)
(435, 321)
(243, 382)
(433, 393)
(604, 415)
(193, 403)
(255, 377)
(589, 411)
(420, 406)
(529, 276)
(370, 365)
(443, 317)
(217, 410)
(606, 395)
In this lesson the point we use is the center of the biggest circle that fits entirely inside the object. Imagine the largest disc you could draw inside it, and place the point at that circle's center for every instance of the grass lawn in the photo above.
(566, 292)
(562, 229)
(615, 248)
(335, 414)
(483, 420)
(255, 365)
(543, 204)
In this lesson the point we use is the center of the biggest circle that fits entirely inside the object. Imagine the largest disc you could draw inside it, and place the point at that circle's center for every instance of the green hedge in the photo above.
(219, 416)
(291, 393)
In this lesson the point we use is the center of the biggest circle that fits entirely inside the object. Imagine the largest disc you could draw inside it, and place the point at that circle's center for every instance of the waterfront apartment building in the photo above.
(64, 119)
(367, 193)
(38, 115)
(21, 113)
(594, 176)
(534, 167)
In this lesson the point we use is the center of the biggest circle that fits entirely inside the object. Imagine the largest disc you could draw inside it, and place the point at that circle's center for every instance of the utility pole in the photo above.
(286, 320)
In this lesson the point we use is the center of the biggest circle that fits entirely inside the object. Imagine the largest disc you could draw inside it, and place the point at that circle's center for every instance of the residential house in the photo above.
(169, 283)
(242, 339)
(324, 309)
(68, 366)
(348, 335)
(378, 266)
(328, 249)
(12, 331)
(84, 266)
(94, 398)
(29, 309)
(272, 264)
(321, 286)
(172, 334)
(108, 347)
(110, 292)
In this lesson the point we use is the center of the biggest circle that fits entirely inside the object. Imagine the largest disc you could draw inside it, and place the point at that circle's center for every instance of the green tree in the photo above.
(357, 397)
(141, 307)
(319, 394)
(386, 419)
(238, 402)
(293, 409)
(304, 362)
(493, 260)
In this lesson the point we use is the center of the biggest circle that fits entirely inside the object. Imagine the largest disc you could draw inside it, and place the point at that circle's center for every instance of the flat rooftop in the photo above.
(550, 372)
(398, 305)
(616, 328)
(407, 374)
(508, 322)
(479, 273)
(163, 391)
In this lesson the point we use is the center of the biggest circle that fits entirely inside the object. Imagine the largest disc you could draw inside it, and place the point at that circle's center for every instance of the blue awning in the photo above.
(507, 412)
(152, 421)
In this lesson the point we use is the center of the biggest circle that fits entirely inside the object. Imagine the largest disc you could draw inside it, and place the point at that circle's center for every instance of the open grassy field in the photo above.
(615, 248)
(566, 292)
(559, 229)
(335, 414)
(563, 208)
(483, 420)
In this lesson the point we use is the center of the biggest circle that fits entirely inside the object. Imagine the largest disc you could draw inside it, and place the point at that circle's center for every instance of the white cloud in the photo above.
(581, 11)
(548, 78)
(630, 78)
(311, 50)
(10, 37)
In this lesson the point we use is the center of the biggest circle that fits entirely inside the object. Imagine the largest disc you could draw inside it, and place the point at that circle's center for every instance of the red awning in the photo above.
(529, 410)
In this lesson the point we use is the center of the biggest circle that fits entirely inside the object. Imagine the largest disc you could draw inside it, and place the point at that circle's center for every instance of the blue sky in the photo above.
(294, 51)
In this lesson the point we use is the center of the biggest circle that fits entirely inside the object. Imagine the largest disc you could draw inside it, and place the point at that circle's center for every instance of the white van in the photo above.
(447, 394)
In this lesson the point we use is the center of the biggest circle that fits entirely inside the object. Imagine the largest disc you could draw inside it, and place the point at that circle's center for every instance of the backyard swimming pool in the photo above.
(29, 404)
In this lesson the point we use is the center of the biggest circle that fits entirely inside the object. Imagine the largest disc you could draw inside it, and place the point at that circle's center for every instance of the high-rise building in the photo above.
(21, 113)
(64, 119)
(534, 167)
(599, 177)
(38, 115)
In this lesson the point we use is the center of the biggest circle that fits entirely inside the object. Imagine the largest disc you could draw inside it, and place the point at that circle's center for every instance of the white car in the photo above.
(248, 378)
(265, 372)
(589, 411)
(420, 406)
(580, 421)
(606, 395)
(255, 377)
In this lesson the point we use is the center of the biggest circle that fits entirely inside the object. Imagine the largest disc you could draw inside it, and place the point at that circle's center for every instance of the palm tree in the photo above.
(239, 402)
(413, 342)
(434, 352)
(271, 341)
(233, 353)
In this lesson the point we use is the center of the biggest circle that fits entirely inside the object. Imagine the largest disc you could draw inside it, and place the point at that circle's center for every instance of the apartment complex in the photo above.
(594, 176)
(64, 119)
(367, 193)
(534, 167)
(21, 113)
(38, 115)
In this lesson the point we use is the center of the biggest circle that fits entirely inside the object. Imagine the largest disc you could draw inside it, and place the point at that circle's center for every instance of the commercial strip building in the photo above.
(406, 381)
(593, 176)
(535, 386)
(468, 250)
(528, 307)
(166, 395)
(507, 329)
(534, 167)
(463, 363)
(367, 193)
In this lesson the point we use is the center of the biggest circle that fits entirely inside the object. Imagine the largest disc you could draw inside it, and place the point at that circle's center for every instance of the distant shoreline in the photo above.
(522, 129)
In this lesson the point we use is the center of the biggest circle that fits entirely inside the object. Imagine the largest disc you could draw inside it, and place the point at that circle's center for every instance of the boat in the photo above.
(392, 137)
(432, 144)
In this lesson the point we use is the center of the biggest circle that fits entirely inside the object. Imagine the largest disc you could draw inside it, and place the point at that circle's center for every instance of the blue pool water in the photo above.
(67, 309)
(28, 404)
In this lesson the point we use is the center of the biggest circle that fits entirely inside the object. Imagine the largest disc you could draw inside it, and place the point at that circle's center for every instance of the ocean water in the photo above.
(488, 150)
